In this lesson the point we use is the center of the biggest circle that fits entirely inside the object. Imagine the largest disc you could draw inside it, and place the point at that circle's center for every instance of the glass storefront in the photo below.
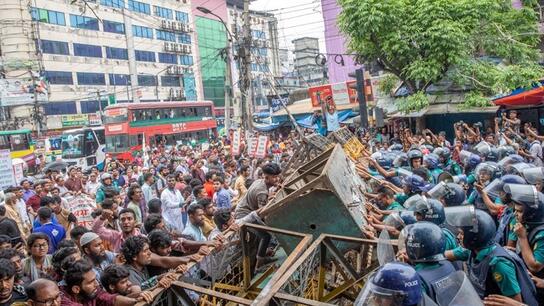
(211, 39)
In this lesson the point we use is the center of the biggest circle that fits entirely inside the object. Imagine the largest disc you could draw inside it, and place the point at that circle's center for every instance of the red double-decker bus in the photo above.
(168, 123)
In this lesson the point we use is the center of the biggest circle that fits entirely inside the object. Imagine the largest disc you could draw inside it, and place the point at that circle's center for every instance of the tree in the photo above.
(419, 41)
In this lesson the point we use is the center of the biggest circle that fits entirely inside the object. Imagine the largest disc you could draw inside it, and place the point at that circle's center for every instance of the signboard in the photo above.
(74, 120)
(335, 94)
(340, 93)
(7, 177)
(276, 103)
(82, 208)
(95, 119)
(21, 91)
(261, 146)
(236, 143)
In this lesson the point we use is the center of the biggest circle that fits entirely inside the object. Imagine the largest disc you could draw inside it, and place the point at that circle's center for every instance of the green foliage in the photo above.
(413, 103)
(475, 99)
(388, 83)
(420, 40)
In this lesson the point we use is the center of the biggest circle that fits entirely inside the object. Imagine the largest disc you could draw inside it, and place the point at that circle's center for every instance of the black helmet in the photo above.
(425, 242)
(478, 226)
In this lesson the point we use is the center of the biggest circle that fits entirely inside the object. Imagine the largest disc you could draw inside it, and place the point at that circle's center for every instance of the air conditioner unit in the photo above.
(189, 50)
(171, 70)
(168, 46)
(164, 24)
(173, 25)
(171, 92)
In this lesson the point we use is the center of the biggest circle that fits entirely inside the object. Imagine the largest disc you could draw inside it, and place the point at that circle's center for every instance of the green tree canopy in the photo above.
(420, 40)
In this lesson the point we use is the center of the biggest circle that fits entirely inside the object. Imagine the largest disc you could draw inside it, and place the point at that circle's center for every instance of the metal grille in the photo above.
(319, 141)
(300, 282)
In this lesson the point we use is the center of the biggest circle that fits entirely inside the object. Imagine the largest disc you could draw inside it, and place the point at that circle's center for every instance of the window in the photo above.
(163, 12)
(89, 107)
(47, 16)
(147, 80)
(145, 56)
(59, 77)
(182, 16)
(83, 22)
(113, 3)
(117, 143)
(87, 50)
(184, 38)
(114, 27)
(168, 58)
(258, 34)
(60, 108)
(165, 35)
(170, 81)
(119, 79)
(140, 31)
(139, 7)
(116, 53)
(55, 47)
(186, 60)
(89, 78)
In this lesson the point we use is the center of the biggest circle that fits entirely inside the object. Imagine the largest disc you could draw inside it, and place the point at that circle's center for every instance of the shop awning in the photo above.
(522, 97)
(437, 109)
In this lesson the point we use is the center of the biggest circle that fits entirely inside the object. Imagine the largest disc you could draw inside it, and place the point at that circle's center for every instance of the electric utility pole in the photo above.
(245, 70)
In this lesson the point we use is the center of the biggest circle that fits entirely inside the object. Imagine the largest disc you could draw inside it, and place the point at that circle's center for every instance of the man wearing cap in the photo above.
(94, 252)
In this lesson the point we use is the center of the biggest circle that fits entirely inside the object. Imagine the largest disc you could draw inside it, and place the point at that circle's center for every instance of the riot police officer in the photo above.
(425, 245)
(448, 164)
(432, 163)
(491, 268)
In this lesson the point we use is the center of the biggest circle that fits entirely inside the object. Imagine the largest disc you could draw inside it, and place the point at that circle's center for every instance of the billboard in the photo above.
(275, 102)
(20, 91)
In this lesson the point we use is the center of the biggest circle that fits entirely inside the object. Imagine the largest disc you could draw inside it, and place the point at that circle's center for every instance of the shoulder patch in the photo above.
(497, 277)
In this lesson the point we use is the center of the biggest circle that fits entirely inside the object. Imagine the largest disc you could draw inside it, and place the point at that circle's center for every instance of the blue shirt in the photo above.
(222, 199)
(55, 232)
(37, 223)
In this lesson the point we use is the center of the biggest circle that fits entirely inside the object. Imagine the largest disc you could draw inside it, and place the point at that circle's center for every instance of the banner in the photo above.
(18, 172)
(261, 146)
(21, 91)
(74, 120)
(82, 207)
(236, 143)
(276, 103)
(7, 177)
(252, 146)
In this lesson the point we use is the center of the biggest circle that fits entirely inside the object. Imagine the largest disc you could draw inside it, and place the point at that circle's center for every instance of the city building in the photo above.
(265, 56)
(335, 44)
(103, 50)
(306, 62)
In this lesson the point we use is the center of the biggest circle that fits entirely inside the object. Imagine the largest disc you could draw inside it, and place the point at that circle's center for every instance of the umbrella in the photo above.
(58, 165)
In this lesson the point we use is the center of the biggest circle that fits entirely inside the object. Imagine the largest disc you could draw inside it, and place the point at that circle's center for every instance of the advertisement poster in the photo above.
(319, 94)
(252, 146)
(20, 91)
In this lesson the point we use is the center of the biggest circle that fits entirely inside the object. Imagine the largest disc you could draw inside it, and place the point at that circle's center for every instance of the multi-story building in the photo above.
(306, 66)
(116, 50)
(265, 59)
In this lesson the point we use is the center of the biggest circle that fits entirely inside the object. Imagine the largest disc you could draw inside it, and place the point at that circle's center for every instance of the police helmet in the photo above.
(478, 226)
(396, 147)
(415, 153)
(443, 152)
(416, 183)
(430, 210)
(424, 241)
(395, 283)
(532, 201)
(534, 175)
(505, 151)
(492, 155)
(401, 160)
(486, 168)
(431, 161)
(455, 196)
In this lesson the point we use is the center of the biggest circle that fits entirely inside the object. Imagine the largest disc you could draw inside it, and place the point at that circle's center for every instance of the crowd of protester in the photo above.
(472, 206)
(150, 217)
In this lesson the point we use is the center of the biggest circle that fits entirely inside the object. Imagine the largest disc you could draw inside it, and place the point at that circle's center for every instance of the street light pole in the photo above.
(228, 60)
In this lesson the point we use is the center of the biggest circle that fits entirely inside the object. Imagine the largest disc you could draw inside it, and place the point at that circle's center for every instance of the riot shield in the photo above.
(533, 175)
(526, 194)
(457, 290)
(462, 216)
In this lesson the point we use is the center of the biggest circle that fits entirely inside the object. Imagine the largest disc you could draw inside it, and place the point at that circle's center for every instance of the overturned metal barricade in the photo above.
(324, 196)
(324, 275)
(229, 277)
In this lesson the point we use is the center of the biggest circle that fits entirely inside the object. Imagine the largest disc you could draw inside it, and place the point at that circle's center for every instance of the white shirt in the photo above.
(172, 200)
(91, 187)
(21, 208)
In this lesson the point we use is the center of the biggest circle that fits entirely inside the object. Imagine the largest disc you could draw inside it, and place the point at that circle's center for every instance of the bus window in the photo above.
(117, 143)
(135, 140)
(4, 142)
(157, 115)
(19, 142)
(207, 111)
(101, 136)
(91, 144)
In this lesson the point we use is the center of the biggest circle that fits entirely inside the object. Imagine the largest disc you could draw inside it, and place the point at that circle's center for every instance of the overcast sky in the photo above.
(296, 18)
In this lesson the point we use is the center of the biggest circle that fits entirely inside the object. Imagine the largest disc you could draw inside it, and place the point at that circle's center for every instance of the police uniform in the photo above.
(495, 270)
(401, 198)
(453, 168)
(434, 175)
(432, 274)
(395, 206)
